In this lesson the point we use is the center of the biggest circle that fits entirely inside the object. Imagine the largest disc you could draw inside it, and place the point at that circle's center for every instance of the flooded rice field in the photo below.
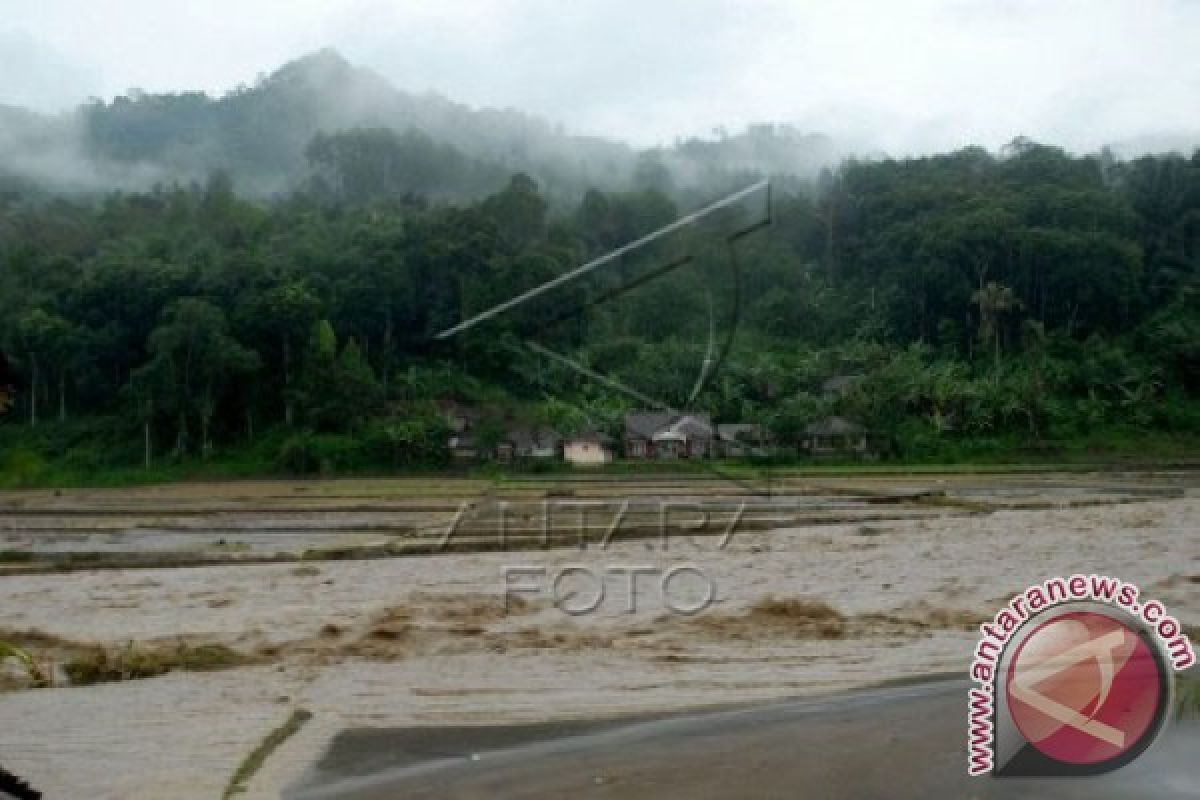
(219, 523)
(174, 628)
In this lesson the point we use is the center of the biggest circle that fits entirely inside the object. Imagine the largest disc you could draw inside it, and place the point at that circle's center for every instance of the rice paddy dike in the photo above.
(272, 521)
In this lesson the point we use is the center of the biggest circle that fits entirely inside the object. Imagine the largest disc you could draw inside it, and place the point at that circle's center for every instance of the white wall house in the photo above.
(589, 449)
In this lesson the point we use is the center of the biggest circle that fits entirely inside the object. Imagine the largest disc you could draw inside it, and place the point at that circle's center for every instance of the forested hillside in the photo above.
(996, 305)
(263, 134)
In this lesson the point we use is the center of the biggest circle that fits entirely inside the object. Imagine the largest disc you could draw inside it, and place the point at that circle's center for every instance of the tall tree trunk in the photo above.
(288, 412)
(830, 258)
(385, 352)
(146, 441)
(970, 337)
(181, 436)
(207, 409)
(33, 388)
(62, 396)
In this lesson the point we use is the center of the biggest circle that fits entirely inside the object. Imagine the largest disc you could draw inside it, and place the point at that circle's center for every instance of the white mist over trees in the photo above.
(291, 126)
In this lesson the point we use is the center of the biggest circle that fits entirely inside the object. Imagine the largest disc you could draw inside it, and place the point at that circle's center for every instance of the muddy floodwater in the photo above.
(177, 629)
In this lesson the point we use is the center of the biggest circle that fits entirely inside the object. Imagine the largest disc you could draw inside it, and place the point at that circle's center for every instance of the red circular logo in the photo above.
(1084, 688)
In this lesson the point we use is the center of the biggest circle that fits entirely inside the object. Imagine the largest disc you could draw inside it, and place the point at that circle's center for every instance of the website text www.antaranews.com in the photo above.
(1052, 592)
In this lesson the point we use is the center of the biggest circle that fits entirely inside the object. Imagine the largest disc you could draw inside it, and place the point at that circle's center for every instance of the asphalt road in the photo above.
(897, 743)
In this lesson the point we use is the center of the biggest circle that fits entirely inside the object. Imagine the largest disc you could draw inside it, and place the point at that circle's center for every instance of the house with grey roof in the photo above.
(838, 436)
(741, 439)
(666, 435)
(461, 420)
(524, 442)
(463, 446)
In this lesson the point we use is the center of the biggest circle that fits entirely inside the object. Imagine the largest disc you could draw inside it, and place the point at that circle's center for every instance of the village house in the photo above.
(665, 435)
(461, 420)
(838, 436)
(463, 447)
(588, 449)
(741, 439)
(657, 435)
(525, 442)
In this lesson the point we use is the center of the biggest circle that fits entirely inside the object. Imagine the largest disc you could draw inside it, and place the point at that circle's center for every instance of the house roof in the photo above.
(694, 426)
(526, 437)
(739, 431)
(646, 424)
(834, 426)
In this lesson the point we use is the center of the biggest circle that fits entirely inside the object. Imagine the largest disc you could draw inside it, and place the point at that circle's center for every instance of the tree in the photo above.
(369, 165)
(340, 388)
(519, 212)
(994, 302)
(193, 361)
(8, 388)
(46, 340)
(153, 306)
(287, 311)
(650, 173)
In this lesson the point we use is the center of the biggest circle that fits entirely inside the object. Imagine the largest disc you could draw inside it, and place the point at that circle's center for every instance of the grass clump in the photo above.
(254, 760)
(39, 677)
(1187, 699)
(797, 608)
(105, 665)
(804, 612)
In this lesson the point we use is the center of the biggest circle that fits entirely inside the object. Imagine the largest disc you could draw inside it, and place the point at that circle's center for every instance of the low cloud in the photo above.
(901, 77)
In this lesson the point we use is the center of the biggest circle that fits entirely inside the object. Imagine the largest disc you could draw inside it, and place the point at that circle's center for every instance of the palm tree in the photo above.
(994, 300)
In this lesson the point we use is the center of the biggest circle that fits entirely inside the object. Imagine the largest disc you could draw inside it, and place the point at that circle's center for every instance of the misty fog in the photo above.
(581, 95)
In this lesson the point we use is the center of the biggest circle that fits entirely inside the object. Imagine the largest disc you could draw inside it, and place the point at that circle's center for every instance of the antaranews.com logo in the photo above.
(1075, 676)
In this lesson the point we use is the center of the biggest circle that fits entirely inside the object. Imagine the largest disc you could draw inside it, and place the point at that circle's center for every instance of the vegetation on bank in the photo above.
(106, 664)
(1028, 306)
(23, 468)
(255, 759)
(1188, 694)
(49, 660)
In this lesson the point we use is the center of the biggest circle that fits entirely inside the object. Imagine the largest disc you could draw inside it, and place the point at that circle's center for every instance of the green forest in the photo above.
(1026, 304)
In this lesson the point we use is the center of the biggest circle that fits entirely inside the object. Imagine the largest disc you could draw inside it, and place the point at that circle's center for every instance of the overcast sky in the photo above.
(905, 75)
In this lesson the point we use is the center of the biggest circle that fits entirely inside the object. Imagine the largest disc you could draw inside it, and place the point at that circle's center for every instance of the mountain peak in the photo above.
(324, 64)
